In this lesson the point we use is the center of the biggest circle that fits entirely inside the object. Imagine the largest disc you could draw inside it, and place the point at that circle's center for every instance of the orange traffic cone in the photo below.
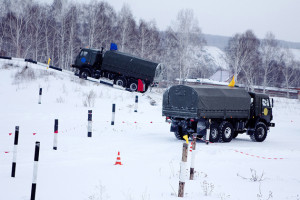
(118, 161)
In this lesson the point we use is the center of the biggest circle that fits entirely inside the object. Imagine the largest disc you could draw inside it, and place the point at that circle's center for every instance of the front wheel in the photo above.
(84, 74)
(260, 132)
(133, 86)
(226, 131)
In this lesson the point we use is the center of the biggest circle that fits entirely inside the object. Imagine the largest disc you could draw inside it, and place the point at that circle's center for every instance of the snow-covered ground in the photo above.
(83, 168)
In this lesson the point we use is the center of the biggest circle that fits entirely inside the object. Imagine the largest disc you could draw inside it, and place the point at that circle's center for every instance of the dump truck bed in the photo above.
(183, 101)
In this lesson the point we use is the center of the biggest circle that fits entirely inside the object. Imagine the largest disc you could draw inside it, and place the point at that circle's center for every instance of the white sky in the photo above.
(223, 17)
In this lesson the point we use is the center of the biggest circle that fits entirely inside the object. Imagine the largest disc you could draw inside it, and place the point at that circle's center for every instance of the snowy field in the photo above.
(83, 168)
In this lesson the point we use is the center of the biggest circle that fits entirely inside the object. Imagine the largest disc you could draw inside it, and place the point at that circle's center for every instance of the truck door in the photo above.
(266, 109)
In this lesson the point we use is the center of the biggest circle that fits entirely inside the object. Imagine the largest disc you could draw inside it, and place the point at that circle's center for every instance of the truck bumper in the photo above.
(272, 124)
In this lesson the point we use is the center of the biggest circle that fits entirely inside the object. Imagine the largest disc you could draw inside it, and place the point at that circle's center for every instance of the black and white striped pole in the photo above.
(113, 114)
(90, 123)
(40, 96)
(35, 169)
(14, 163)
(136, 103)
(55, 134)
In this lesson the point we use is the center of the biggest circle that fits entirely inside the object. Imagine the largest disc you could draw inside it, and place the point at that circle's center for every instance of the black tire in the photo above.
(179, 133)
(84, 74)
(226, 131)
(121, 81)
(133, 85)
(260, 132)
(214, 135)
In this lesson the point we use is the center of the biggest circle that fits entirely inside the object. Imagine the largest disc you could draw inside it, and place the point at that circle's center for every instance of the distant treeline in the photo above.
(40, 31)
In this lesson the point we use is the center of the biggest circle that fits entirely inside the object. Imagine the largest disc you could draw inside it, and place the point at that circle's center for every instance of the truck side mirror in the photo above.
(272, 102)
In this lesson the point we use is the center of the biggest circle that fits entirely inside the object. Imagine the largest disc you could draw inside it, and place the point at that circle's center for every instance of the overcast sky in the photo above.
(225, 17)
(222, 17)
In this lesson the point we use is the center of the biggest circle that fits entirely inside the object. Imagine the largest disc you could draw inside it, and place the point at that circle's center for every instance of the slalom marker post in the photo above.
(192, 169)
(90, 123)
(113, 114)
(35, 169)
(55, 134)
(136, 103)
(40, 96)
(182, 170)
(14, 163)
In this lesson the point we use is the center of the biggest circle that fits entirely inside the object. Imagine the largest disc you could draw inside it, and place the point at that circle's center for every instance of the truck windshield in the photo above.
(83, 53)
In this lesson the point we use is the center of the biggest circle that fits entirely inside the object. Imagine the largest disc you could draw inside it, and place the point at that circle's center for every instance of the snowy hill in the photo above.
(83, 168)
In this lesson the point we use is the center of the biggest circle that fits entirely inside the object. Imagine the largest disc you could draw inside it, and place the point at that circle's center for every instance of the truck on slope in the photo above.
(125, 70)
(226, 111)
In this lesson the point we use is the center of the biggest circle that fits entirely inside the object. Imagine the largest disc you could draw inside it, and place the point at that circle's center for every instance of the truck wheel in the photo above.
(179, 133)
(260, 132)
(120, 81)
(226, 131)
(84, 74)
(214, 133)
(133, 86)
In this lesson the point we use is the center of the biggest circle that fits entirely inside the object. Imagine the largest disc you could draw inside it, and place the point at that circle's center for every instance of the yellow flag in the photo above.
(186, 138)
(232, 82)
(49, 61)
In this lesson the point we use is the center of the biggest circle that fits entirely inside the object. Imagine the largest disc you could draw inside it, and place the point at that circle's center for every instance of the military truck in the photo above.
(125, 70)
(225, 111)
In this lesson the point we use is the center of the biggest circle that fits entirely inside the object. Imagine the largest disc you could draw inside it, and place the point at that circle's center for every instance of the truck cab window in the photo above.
(83, 53)
(265, 103)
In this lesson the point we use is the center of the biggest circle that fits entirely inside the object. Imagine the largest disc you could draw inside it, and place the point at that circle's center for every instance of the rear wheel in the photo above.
(120, 81)
(214, 133)
(133, 86)
(226, 131)
(235, 134)
(179, 133)
(260, 132)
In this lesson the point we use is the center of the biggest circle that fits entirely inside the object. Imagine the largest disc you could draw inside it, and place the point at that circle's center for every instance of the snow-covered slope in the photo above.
(83, 168)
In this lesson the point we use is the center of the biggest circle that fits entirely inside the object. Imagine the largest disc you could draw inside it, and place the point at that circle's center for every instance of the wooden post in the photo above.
(90, 123)
(14, 163)
(208, 132)
(193, 157)
(35, 168)
(182, 170)
(55, 134)
(113, 114)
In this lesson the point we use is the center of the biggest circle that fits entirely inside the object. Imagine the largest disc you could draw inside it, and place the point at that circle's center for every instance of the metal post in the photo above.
(113, 114)
(208, 132)
(35, 169)
(136, 103)
(55, 134)
(192, 171)
(90, 123)
(14, 163)
(40, 96)
(182, 170)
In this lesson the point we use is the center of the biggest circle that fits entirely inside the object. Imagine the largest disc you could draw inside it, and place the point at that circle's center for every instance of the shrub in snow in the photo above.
(89, 100)
(207, 188)
(254, 176)
(25, 74)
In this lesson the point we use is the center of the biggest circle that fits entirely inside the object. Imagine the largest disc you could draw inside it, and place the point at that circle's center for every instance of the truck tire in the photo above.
(226, 131)
(260, 132)
(133, 85)
(214, 133)
(84, 74)
(120, 81)
(179, 133)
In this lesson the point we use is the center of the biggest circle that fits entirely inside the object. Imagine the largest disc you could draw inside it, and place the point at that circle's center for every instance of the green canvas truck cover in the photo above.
(183, 101)
(129, 65)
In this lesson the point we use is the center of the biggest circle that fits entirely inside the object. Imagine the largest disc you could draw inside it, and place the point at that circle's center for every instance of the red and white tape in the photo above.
(255, 156)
